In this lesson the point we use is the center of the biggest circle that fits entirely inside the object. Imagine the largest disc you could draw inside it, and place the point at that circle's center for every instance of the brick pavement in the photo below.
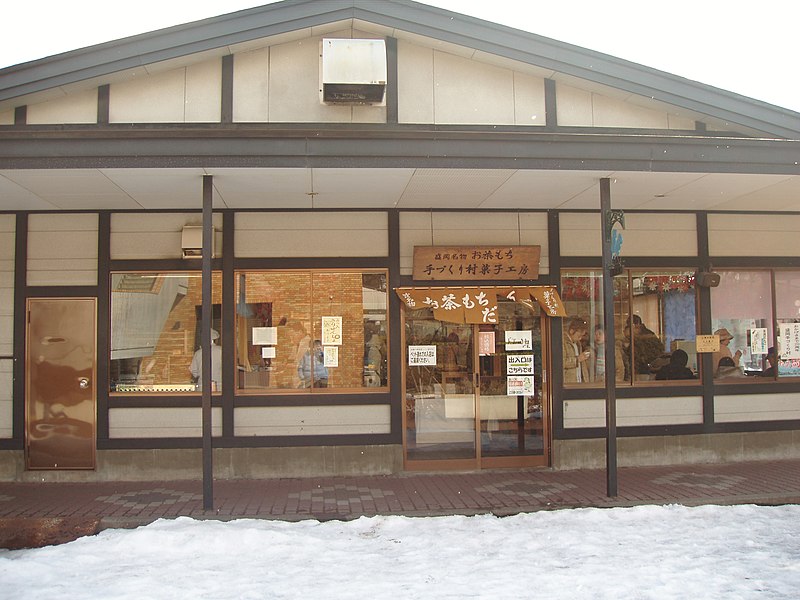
(33, 514)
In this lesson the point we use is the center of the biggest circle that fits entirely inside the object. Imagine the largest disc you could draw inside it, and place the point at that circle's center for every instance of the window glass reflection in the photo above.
(155, 332)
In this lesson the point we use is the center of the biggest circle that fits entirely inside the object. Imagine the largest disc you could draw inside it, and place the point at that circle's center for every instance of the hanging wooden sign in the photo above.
(476, 263)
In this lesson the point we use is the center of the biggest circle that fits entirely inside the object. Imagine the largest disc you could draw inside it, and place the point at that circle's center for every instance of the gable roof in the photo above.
(217, 33)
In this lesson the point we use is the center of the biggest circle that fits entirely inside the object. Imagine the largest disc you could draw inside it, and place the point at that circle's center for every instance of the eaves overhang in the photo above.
(402, 15)
(376, 146)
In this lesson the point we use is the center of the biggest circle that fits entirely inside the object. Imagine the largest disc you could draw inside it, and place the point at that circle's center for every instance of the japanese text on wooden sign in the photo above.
(474, 263)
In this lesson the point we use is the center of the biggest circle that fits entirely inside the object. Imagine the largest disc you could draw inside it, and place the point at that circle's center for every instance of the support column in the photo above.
(205, 344)
(608, 219)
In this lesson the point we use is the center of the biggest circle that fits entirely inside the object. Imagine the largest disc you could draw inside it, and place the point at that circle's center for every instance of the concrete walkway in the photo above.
(36, 514)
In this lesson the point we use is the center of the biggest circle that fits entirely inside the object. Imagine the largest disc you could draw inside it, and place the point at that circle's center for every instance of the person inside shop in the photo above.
(646, 347)
(599, 355)
(727, 368)
(724, 351)
(196, 368)
(770, 364)
(311, 369)
(576, 358)
(676, 368)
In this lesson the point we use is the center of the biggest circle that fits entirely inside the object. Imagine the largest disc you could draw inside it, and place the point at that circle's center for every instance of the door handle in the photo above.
(83, 382)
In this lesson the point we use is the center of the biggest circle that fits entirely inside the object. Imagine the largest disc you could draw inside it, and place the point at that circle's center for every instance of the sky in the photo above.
(642, 553)
(749, 48)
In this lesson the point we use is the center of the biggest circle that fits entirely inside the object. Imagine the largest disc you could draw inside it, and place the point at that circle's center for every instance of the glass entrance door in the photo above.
(473, 398)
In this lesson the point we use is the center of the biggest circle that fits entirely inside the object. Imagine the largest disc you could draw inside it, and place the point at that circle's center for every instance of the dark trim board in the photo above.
(177, 147)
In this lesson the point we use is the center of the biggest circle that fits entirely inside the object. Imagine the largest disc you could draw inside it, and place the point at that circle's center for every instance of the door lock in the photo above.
(83, 382)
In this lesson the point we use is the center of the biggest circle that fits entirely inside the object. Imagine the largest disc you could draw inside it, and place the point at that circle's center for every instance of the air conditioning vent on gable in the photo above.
(353, 72)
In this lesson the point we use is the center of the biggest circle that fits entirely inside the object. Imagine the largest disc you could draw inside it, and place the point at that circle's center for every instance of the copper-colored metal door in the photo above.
(60, 391)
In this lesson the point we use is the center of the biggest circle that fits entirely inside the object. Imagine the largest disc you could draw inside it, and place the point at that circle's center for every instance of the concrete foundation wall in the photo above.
(680, 449)
(229, 463)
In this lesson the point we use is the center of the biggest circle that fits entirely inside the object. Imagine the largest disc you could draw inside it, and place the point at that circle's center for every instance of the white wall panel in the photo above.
(632, 412)
(771, 235)
(415, 88)
(187, 94)
(470, 92)
(6, 398)
(7, 241)
(73, 108)
(6, 117)
(581, 107)
(251, 86)
(324, 234)
(155, 236)
(62, 249)
(756, 407)
(312, 420)
(161, 422)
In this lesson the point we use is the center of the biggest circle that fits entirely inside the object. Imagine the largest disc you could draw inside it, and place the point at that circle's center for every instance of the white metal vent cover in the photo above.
(353, 72)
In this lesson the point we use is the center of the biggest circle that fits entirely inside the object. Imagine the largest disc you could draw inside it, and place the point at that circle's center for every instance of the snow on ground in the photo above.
(647, 552)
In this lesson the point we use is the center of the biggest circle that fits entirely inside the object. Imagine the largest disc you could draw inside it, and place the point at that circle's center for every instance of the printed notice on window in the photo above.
(331, 331)
(519, 340)
(519, 385)
(789, 340)
(422, 356)
(331, 357)
(519, 364)
(758, 340)
(265, 336)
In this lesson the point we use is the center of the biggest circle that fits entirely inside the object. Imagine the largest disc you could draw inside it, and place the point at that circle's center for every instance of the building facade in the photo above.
(407, 260)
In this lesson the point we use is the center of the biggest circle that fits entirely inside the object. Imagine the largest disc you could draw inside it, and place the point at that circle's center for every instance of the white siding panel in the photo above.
(776, 235)
(155, 98)
(294, 86)
(467, 91)
(656, 234)
(7, 239)
(7, 117)
(415, 87)
(323, 234)
(154, 236)
(312, 420)
(203, 102)
(651, 234)
(756, 407)
(581, 235)
(529, 106)
(62, 249)
(73, 108)
(161, 422)
(251, 86)
(6, 398)
(635, 411)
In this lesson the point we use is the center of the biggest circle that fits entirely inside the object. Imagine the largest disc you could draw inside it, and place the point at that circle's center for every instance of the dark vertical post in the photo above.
(205, 344)
(608, 327)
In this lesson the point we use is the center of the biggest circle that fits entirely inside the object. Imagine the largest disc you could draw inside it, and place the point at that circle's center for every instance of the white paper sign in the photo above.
(419, 356)
(331, 358)
(519, 364)
(519, 385)
(519, 340)
(268, 352)
(331, 331)
(789, 340)
(758, 340)
(265, 336)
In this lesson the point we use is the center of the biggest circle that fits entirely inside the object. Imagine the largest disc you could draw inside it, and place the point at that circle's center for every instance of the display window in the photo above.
(655, 324)
(155, 332)
(311, 331)
(755, 344)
